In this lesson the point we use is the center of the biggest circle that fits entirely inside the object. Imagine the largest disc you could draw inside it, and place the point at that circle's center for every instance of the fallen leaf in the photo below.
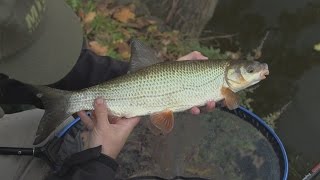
(89, 17)
(124, 14)
(98, 48)
(123, 49)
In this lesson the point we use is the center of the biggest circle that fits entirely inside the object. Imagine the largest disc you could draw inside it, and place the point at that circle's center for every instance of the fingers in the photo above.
(87, 121)
(101, 112)
(195, 55)
(195, 110)
(128, 124)
(211, 105)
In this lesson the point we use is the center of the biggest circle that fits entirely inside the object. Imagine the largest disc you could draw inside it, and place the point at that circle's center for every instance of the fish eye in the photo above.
(250, 69)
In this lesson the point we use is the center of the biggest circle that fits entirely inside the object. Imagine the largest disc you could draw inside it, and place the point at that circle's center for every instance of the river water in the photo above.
(293, 85)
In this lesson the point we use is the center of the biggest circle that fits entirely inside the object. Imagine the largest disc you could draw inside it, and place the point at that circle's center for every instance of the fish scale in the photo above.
(174, 86)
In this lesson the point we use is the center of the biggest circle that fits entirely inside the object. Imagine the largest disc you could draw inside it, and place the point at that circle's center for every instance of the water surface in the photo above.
(294, 67)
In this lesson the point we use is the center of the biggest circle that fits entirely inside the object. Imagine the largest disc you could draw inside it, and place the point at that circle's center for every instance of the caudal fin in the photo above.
(56, 104)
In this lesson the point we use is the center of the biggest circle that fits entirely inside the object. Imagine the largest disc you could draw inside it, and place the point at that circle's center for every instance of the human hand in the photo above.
(195, 55)
(112, 134)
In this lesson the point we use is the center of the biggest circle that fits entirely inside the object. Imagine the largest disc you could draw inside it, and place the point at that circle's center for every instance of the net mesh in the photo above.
(216, 145)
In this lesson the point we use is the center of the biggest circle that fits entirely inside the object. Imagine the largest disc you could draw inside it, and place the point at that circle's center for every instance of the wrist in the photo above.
(107, 148)
(109, 151)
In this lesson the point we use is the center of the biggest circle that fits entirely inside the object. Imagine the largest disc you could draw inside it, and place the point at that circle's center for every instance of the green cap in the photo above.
(40, 40)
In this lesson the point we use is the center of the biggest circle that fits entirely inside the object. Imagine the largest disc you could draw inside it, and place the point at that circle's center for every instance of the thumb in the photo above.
(194, 55)
(101, 112)
(128, 124)
(198, 56)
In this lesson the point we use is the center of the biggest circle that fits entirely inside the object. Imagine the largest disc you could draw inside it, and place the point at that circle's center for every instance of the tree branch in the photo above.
(172, 10)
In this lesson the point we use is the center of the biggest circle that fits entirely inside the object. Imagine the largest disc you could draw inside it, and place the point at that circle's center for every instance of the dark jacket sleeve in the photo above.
(89, 70)
(88, 164)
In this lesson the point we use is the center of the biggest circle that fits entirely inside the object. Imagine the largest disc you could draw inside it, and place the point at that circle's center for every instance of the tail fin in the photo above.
(56, 104)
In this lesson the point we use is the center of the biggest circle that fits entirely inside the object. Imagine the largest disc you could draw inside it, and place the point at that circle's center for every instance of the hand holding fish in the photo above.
(156, 88)
(112, 135)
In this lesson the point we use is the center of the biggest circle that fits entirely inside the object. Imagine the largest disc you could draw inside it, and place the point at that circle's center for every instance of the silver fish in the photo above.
(154, 88)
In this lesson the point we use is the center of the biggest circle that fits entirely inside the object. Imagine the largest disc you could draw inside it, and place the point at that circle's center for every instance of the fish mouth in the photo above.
(264, 73)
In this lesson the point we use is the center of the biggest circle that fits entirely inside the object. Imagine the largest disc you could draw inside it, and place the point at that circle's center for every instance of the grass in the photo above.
(109, 32)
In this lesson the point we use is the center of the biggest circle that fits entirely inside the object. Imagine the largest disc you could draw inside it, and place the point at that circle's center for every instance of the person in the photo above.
(42, 44)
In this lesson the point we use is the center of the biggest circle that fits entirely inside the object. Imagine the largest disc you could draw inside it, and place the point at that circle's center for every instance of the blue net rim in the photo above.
(269, 133)
(249, 117)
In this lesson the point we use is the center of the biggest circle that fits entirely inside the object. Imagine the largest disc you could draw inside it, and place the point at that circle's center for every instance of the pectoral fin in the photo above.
(163, 120)
(231, 99)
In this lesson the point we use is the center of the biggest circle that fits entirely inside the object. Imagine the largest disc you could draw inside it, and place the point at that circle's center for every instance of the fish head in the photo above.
(241, 74)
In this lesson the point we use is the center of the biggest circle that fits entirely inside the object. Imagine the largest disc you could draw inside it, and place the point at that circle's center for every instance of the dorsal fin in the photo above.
(141, 56)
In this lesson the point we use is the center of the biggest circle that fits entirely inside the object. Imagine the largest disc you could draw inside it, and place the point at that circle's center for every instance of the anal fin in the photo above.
(164, 121)
(231, 99)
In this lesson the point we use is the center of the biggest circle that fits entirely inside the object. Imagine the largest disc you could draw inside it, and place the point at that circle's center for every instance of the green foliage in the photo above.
(90, 6)
(112, 53)
(210, 52)
(86, 6)
(271, 118)
(100, 23)
(108, 31)
(74, 4)
(244, 99)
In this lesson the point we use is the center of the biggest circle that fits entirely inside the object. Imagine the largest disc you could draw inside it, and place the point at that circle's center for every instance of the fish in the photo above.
(154, 87)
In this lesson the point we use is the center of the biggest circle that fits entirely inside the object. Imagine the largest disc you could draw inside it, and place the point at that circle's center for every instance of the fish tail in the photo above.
(56, 103)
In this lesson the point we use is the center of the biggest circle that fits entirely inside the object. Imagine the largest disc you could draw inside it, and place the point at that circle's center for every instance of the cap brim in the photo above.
(54, 53)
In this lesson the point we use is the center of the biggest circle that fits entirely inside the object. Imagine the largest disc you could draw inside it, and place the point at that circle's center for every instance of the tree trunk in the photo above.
(187, 16)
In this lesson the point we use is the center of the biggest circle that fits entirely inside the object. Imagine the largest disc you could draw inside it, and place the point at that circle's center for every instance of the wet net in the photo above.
(216, 145)
(222, 144)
